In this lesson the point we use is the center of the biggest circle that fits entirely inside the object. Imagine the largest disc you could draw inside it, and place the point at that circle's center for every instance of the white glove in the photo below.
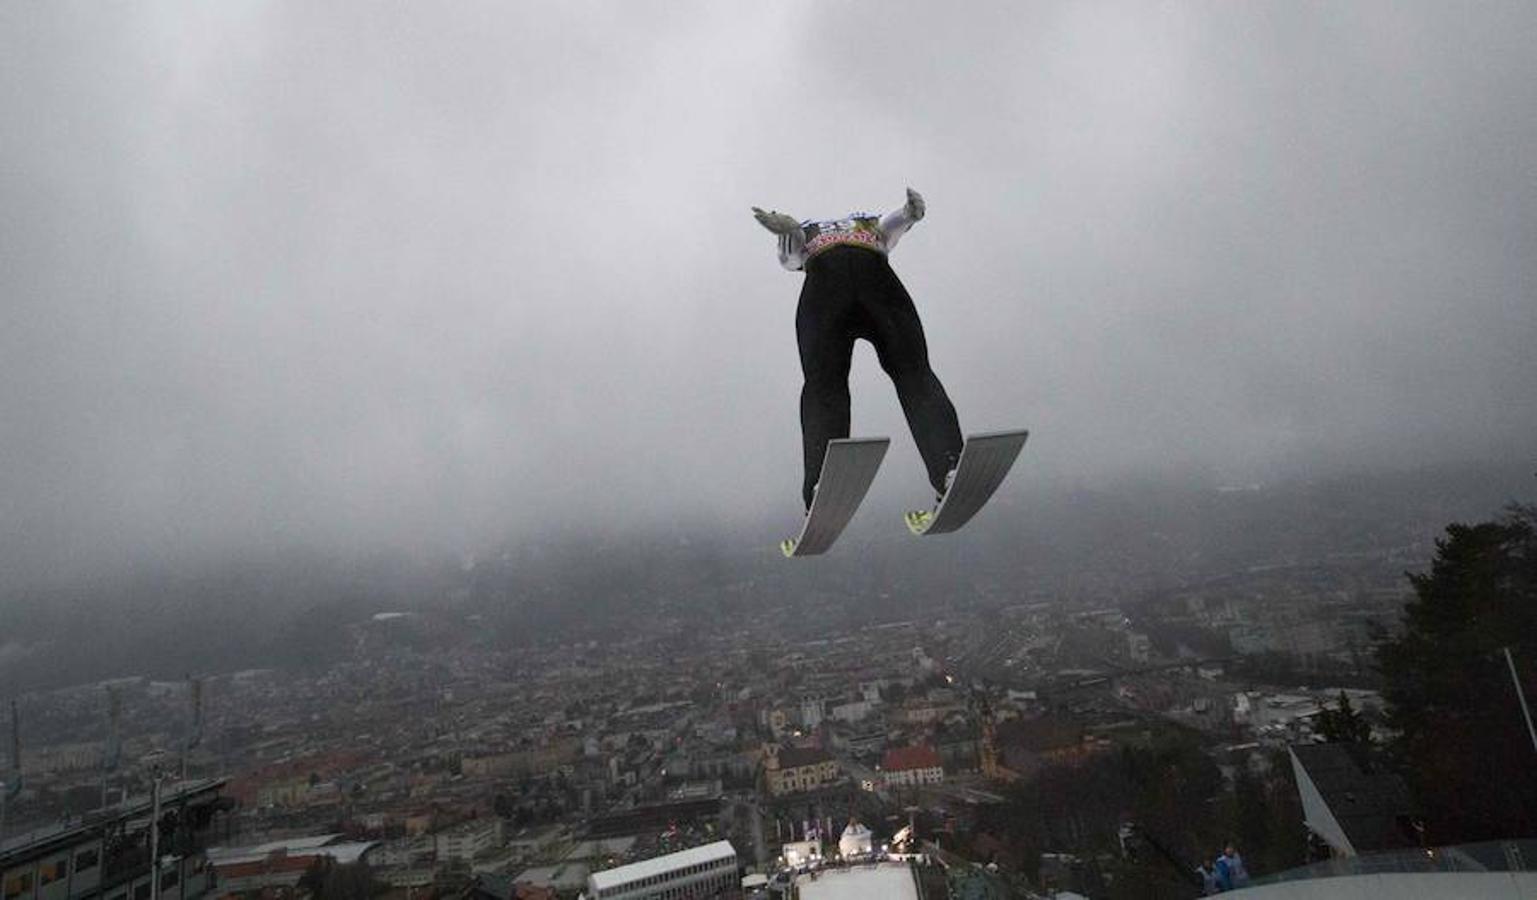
(914, 207)
(776, 221)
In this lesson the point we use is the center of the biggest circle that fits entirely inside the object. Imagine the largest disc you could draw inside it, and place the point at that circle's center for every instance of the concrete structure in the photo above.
(700, 871)
(108, 856)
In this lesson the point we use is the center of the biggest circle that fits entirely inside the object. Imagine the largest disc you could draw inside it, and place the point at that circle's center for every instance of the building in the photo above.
(925, 711)
(711, 870)
(801, 853)
(279, 865)
(912, 766)
(779, 721)
(789, 770)
(464, 841)
(850, 709)
(527, 761)
(855, 841)
(108, 855)
(867, 737)
(653, 817)
(1350, 809)
(285, 792)
(492, 886)
(1022, 747)
(813, 711)
(537, 841)
(710, 763)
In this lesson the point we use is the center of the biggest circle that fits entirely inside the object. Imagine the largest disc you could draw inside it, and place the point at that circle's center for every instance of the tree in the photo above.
(1343, 725)
(1462, 743)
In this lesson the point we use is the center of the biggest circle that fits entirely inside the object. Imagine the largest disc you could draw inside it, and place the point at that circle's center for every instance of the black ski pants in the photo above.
(852, 293)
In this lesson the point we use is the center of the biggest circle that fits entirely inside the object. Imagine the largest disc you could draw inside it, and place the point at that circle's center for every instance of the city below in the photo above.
(788, 748)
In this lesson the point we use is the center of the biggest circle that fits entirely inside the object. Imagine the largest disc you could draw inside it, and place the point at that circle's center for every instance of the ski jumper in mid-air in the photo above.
(851, 292)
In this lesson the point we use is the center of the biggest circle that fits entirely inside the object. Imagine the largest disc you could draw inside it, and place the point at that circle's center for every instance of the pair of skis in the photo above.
(849, 470)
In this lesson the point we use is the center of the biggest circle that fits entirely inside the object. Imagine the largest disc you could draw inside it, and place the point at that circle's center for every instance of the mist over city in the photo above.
(401, 416)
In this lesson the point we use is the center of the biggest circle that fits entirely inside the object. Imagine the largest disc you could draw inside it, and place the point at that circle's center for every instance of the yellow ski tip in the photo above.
(787, 547)
(918, 520)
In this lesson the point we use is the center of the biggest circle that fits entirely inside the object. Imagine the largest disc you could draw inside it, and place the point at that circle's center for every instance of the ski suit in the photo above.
(851, 292)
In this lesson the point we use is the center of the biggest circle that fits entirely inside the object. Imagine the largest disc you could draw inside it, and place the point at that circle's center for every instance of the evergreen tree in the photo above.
(1462, 742)
(1343, 725)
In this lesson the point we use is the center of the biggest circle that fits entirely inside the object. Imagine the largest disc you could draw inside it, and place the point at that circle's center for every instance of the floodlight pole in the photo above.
(154, 835)
(1521, 695)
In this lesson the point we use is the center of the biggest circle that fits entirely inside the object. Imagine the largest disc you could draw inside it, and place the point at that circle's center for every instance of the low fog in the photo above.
(358, 277)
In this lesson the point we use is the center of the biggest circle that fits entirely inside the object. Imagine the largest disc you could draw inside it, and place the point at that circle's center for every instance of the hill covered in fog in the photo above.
(1072, 547)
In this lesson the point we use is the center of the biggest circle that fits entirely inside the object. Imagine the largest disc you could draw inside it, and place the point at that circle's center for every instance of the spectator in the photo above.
(1230, 870)
(1207, 871)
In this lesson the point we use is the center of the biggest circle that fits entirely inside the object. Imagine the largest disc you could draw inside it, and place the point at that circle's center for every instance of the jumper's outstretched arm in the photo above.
(896, 222)
(792, 239)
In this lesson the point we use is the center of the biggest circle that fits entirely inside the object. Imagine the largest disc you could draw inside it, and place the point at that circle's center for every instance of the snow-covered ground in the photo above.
(887, 880)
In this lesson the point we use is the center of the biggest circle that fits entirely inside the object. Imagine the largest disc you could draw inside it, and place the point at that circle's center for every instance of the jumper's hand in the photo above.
(914, 207)
(776, 221)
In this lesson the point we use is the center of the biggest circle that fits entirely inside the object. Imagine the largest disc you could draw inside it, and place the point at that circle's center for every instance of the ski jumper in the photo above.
(851, 292)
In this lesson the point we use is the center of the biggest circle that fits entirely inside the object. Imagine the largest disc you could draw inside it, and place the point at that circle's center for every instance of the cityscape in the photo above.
(448, 761)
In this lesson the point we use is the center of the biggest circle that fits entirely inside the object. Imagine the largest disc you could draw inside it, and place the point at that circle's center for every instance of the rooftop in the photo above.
(899, 759)
(661, 865)
(299, 848)
(567, 875)
(795, 757)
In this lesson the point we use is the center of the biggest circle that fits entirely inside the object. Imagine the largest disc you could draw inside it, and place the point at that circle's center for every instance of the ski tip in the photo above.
(787, 547)
(918, 521)
(1021, 433)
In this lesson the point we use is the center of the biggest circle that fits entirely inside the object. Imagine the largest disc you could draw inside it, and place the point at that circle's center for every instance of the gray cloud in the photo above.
(425, 278)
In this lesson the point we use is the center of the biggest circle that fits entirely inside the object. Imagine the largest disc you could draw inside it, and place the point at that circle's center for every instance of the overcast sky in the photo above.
(429, 275)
